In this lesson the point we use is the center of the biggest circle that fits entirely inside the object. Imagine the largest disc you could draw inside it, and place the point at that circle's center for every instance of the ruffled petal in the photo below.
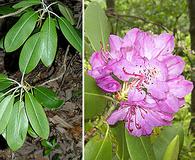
(180, 87)
(164, 43)
(158, 89)
(117, 115)
(108, 84)
(136, 95)
(175, 65)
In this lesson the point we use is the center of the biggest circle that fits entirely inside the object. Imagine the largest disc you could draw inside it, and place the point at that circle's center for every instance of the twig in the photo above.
(140, 18)
(14, 13)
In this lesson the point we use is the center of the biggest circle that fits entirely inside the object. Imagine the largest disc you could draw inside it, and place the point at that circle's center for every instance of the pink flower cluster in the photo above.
(144, 76)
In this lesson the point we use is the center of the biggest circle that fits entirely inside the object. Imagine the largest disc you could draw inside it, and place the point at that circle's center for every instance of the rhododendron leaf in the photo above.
(6, 9)
(30, 54)
(119, 133)
(66, 12)
(97, 28)
(98, 148)
(4, 82)
(26, 3)
(95, 103)
(17, 126)
(48, 40)
(71, 34)
(166, 136)
(31, 132)
(18, 34)
(172, 150)
(36, 116)
(139, 147)
(47, 97)
(5, 111)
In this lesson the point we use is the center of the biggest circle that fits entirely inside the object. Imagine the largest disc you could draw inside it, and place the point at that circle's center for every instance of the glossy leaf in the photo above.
(139, 147)
(166, 136)
(119, 133)
(48, 40)
(66, 12)
(97, 28)
(6, 106)
(97, 149)
(31, 132)
(30, 54)
(47, 97)
(1, 96)
(26, 3)
(95, 103)
(18, 34)
(17, 126)
(172, 150)
(4, 82)
(36, 116)
(70, 34)
(6, 9)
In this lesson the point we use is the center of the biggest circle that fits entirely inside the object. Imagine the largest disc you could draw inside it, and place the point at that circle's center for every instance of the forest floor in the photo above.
(66, 122)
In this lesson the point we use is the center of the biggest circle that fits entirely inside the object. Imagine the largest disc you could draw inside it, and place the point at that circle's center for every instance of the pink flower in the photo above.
(141, 71)
(140, 118)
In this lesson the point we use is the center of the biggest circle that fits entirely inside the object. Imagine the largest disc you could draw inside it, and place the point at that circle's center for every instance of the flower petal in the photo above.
(180, 87)
(108, 84)
(175, 65)
(117, 115)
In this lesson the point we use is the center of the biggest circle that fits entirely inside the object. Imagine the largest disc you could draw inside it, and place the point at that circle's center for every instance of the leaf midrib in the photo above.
(21, 28)
(35, 112)
(71, 32)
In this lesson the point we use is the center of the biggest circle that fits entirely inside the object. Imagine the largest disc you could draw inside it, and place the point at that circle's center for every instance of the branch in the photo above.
(14, 13)
(113, 14)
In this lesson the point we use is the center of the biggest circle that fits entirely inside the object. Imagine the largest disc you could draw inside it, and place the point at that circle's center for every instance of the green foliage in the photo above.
(47, 97)
(17, 126)
(98, 148)
(49, 145)
(28, 62)
(172, 150)
(95, 102)
(35, 33)
(97, 28)
(48, 41)
(36, 116)
(18, 34)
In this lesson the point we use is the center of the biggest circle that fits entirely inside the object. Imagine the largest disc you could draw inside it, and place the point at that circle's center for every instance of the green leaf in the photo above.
(26, 3)
(1, 96)
(97, 149)
(70, 34)
(119, 133)
(139, 147)
(47, 97)
(48, 41)
(6, 10)
(97, 28)
(17, 126)
(36, 116)
(30, 54)
(166, 136)
(6, 106)
(4, 82)
(95, 103)
(18, 34)
(172, 150)
(31, 132)
(66, 12)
